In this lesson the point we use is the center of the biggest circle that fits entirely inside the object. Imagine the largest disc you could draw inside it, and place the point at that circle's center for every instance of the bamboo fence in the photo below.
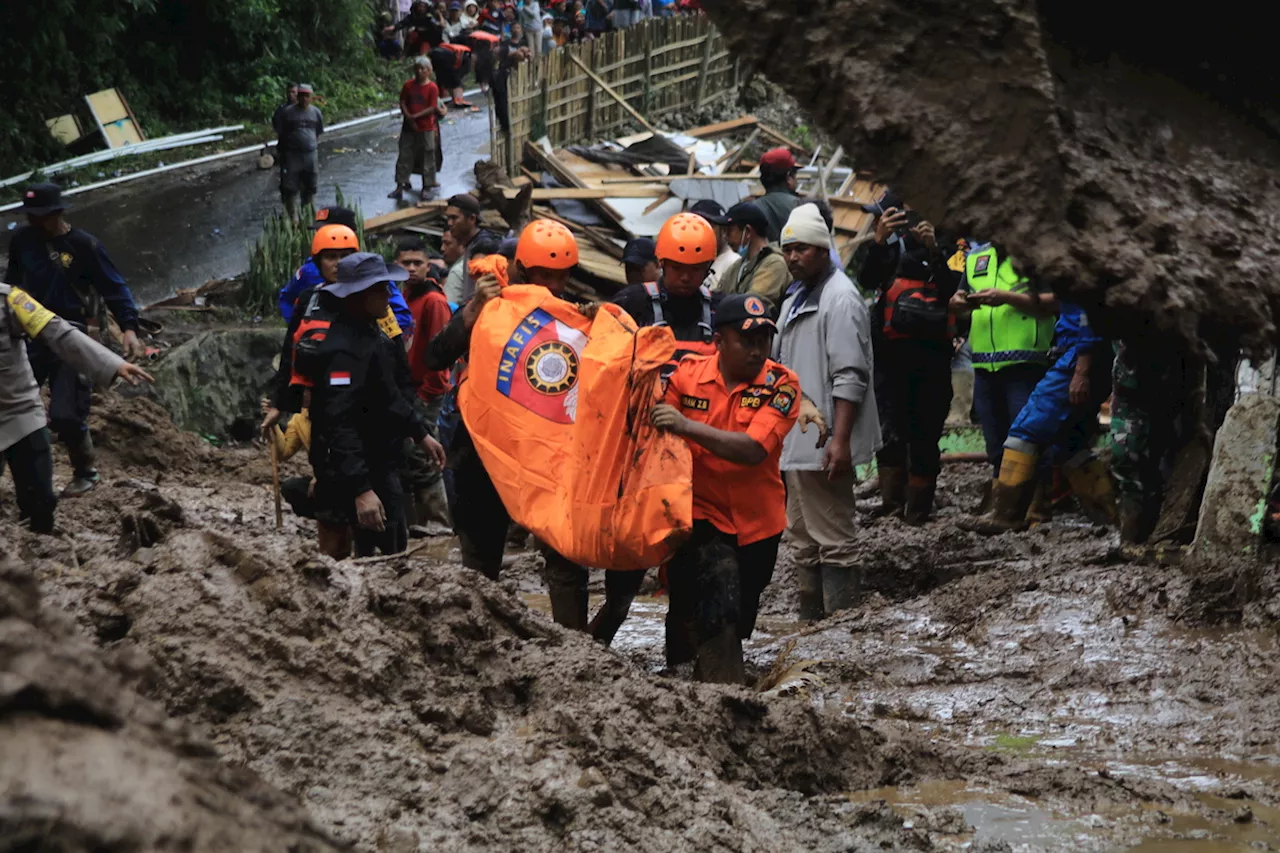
(659, 66)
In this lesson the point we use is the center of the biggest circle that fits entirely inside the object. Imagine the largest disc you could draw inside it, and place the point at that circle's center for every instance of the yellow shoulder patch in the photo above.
(32, 316)
(388, 324)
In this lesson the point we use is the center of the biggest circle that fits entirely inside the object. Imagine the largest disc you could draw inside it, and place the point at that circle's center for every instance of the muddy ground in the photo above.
(1035, 691)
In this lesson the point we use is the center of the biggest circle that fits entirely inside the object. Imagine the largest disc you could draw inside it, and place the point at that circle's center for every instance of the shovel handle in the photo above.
(275, 483)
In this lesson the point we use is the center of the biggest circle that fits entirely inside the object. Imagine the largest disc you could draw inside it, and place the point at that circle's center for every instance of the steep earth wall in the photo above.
(1132, 166)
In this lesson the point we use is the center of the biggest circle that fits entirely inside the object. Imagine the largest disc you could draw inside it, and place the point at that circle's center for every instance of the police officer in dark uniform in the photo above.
(68, 271)
(361, 412)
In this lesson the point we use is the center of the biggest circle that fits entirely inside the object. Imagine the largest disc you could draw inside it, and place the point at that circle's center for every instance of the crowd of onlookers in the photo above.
(449, 39)
(480, 25)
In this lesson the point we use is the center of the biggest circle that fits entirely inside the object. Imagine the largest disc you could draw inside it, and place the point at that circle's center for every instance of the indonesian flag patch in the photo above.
(339, 378)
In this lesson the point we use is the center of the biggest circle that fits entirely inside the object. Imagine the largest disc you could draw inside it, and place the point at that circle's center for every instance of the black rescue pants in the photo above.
(913, 394)
(31, 461)
(715, 584)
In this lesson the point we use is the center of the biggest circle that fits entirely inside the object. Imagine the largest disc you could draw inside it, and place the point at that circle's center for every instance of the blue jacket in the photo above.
(67, 272)
(1072, 334)
(308, 276)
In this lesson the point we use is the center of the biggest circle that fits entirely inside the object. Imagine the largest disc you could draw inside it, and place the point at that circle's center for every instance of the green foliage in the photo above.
(180, 63)
(284, 244)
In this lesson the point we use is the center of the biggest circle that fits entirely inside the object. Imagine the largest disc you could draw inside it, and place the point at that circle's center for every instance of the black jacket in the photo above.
(361, 411)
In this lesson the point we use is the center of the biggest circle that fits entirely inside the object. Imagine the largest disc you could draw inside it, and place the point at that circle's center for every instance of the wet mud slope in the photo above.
(407, 704)
(1130, 161)
(89, 765)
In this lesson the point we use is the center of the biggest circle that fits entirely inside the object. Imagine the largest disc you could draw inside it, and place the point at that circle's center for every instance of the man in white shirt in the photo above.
(712, 212)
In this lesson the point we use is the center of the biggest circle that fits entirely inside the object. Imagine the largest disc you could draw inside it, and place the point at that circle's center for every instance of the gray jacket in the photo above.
(21, 410)
(827, 342)
(298, 129)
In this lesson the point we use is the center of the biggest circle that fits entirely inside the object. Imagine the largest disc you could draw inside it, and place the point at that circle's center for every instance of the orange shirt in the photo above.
(746, 500)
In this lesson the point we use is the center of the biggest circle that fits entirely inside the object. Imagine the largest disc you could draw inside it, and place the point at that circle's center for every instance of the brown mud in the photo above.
(407, 704)
(1131, 168)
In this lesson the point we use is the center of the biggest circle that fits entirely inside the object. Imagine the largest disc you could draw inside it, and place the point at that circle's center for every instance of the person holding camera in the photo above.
(913, 331)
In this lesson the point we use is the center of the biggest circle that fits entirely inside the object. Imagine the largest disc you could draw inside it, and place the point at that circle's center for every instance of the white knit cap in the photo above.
(806, 225)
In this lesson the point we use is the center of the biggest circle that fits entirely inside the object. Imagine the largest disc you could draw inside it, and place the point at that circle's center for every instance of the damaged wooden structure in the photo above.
(614, 191)
(599, 88)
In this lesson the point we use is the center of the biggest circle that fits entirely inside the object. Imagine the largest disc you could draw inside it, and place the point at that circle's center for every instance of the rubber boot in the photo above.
(809, 580)
(567, 589)
(1041, 509)
(1010, 496)
(1137, 522)
(1091, 484)
(86, 475)
(984, 505)
(411, 518)
(431, 506)
(920, 492)
(841, 587)
(720, 659)
(893, 492)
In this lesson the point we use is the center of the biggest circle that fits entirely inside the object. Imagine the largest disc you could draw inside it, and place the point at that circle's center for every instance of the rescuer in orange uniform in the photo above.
(546, 254)
(734, 408)
(680, 299)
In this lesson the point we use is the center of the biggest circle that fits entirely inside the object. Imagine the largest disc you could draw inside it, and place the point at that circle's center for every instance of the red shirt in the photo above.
(748, 501)
(430, 314)
(416, 97)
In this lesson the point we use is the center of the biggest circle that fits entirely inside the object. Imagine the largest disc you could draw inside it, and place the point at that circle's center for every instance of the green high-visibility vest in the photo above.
(1003, 335)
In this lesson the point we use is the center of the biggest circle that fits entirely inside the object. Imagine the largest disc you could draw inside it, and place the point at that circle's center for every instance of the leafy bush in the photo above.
(181, 63)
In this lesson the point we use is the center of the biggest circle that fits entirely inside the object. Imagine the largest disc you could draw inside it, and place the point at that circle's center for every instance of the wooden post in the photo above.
(544, 103)
(647, 99)
(702, 71)
(591, 96)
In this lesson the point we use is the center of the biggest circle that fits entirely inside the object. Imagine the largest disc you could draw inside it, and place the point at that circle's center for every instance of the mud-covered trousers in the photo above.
(913, 394)
(1000, 396)
(1151, 393)
(1048, 420)
(70, 394)
(31, 461)
(715, 583)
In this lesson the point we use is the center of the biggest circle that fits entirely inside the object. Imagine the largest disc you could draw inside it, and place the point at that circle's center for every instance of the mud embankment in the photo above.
(1132, 170)
(408, 704)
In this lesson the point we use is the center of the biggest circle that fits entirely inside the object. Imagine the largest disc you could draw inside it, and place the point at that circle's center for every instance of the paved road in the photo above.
(182, 228)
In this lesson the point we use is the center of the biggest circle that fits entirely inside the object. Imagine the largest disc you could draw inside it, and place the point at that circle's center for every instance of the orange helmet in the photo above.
(334, 237)
(687, 238)
(547, 244)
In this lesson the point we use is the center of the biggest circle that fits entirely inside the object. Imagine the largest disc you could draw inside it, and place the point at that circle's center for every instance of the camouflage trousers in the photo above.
(1151, 405)
(420, 473)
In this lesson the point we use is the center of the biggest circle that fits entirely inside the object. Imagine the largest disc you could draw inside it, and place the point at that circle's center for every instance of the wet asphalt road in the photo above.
(182, 228)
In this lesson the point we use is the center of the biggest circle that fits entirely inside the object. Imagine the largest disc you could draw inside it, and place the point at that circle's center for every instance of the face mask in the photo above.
(742, 250)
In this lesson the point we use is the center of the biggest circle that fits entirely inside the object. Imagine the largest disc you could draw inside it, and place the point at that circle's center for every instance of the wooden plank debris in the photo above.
(723, 127)
(404, 216)
(584, 193)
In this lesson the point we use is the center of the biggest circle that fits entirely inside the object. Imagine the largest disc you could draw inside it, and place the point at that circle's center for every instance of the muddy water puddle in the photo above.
(643, 635)
(958, 816)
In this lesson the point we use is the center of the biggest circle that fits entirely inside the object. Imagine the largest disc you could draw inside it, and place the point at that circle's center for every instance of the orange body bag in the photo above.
(558, 408)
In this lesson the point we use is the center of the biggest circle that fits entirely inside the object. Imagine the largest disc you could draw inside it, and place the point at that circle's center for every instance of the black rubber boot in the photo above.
(720, 659)
(841, 587)
(920, 492)
(809, 579)
(893, 492)
(82, 460)
(567, 589)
